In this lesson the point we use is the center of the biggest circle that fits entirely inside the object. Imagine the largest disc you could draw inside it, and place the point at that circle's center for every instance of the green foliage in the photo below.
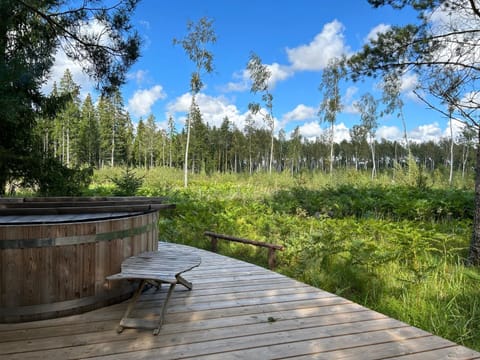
(54, 179)
(127, 184)
(31, 33)
(396, 249)
(376, 201)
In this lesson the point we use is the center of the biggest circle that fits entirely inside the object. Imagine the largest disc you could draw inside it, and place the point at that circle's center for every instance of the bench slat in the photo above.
(157, 265)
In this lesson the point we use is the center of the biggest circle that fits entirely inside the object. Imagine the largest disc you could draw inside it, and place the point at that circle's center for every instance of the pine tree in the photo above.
(171, 135)
(140, 148)
(68, 118)
(31, 32)
(105, 125)
(88, 140)
(151, 139)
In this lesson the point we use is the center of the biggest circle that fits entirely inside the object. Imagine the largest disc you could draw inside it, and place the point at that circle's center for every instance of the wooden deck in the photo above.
(235, 311)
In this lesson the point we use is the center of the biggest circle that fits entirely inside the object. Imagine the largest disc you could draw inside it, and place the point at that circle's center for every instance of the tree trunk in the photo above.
(465, 159)
(374, 168)
(332, 129)
(474, 253)
(112, 154)
(405, 136)
(68, 145)
(271, 152)
(450, 179)
(185, 167)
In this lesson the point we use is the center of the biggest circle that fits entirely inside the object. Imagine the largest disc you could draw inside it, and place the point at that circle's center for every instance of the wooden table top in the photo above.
(163, 265)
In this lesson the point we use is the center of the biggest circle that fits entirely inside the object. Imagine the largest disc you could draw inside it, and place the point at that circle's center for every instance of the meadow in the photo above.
(396, 244)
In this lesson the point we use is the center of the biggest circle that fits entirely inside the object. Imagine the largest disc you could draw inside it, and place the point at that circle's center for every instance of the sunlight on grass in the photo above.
(392, 246)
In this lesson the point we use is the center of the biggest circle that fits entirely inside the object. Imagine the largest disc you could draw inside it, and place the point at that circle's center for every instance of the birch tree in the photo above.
(367, 106)
(260, 76)
(196, 45)
(331, 103)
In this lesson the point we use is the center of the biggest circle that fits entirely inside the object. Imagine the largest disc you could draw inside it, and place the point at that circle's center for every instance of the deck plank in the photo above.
(235, 311)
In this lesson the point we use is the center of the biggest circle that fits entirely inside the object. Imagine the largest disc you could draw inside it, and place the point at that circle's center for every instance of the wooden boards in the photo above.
(235, 311)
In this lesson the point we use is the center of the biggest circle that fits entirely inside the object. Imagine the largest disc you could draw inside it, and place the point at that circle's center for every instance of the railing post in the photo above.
(214, 243)
(271, 258)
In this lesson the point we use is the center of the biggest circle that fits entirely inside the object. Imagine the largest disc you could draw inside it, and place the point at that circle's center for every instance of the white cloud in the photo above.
(433, 132)
(348, 101)
(409, 84)
(391, 133)
(61, 64)
(242, 79)
(350, 93)
(428, 132)
(140, 76)
(341, 133)
(328, 44)
(315, 56)
(457, 128)
(213, 109)
(96, 30)
(313, 130)
(140, 104)
(301, 112)
(180, 104)
(471, 99)
(240, 83)
(460, 48)
(278, 73)
(373, 34)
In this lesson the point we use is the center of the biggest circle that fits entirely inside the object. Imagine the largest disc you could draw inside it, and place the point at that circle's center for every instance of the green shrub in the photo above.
(127, 183)
(55, 179)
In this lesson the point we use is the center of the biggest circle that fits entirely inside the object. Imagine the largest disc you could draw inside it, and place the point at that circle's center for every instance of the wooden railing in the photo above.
(271, 247)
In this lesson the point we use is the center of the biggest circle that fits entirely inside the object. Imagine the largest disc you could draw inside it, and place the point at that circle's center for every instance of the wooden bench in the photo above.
(163, 266)
(271, 247)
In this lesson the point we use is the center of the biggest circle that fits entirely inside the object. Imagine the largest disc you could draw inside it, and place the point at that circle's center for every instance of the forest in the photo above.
(102, 134)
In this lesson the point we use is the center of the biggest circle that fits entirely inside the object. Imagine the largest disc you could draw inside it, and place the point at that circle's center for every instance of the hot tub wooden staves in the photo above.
(56, 252)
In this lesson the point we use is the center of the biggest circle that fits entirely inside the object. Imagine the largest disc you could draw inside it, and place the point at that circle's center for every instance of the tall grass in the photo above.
(394, 245)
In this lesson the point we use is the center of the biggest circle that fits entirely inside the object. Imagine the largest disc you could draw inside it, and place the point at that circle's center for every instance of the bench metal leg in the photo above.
(131, 305)
(164, 309)
(184, 282)
(127, 322)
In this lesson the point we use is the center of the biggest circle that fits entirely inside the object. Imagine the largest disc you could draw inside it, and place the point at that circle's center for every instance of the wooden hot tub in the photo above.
(55, 253)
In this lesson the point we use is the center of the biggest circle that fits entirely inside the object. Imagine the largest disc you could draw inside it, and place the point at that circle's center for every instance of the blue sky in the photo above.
(294, 38)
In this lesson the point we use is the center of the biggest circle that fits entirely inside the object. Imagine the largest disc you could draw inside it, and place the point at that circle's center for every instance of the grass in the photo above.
(393, 246)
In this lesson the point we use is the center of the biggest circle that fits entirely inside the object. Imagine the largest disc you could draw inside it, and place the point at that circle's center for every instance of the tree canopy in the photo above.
(442, 50)
(99, 37)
